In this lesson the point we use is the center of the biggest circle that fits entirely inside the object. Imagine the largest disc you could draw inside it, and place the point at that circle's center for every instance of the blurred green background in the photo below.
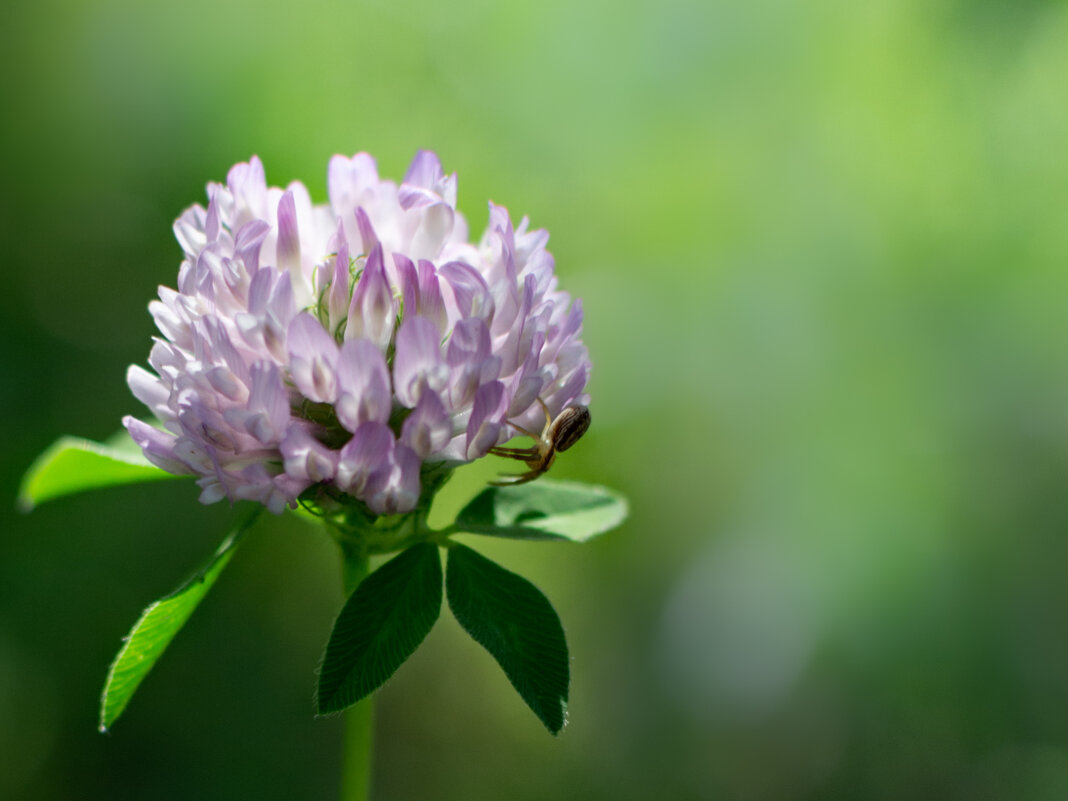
(823, 250)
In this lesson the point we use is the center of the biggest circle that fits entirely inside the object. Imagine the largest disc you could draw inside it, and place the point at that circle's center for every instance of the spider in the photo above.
(558, 435)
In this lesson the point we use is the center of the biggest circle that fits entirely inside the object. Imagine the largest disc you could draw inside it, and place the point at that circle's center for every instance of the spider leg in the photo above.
(515, 453)
(521, 430)
(511, 479)
(548, 417)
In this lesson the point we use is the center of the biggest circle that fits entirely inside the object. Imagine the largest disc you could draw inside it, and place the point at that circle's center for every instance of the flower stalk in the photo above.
(358, 738)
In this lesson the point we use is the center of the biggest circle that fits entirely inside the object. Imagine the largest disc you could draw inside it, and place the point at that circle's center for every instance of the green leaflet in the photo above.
(380, 626)
(73, 464)
(158, 624)
(515, 622)
(543, 510)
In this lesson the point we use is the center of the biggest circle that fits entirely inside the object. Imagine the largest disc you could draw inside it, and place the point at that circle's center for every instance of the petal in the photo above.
(158, 446)
(470, 293)
(417, 362)
(148, 389)
(470, 342)
(435, 227)
(368, 238)
(224, 349)
(288, 247)
(408, 278)
(313, 359)
(338, 299)
(268, 396)
(211, 490)
(306, 457)
(430, 302)
(169, 321)
(370, 450)
(425, 170)
(363, 380)
(189, 231)
(525, 391)
(259, 291)
(226, 384)
(211, 221)
(428, 428)
(280, 310)
(397, 490)
(349, 181)
(372, 312)
(248, 241)
(484, 427)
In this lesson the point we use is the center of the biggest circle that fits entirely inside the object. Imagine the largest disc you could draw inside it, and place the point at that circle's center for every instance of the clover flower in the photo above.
(357, 344)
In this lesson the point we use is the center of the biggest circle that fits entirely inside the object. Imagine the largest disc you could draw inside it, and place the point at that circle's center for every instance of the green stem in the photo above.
(359, 718)
(356, 757)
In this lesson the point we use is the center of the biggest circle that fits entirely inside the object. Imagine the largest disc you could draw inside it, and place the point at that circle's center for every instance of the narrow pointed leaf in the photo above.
(544, 510)
(515, 622)
(73, 465)
(158, 625)
(380, 626)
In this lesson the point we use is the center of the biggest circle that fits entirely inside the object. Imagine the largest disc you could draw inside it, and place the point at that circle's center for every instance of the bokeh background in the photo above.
(823, 250)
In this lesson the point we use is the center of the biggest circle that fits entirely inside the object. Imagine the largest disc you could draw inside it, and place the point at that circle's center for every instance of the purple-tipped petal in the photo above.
(259, 291)
(338, 303)
(211, 221)
(247, 243)
(470, 361)
(224, 349)
(363, 380)
(313, 359)
(395, 491)
(425, 170)
(226, 384)
(158, 446)
(408, 277)
(289, 238)
(369, 451)
(428, 428)
(268, 397)
(525, 392)
(307, 458)
(470, 342)
(426, 173)
(431, 304)
(470, 293)
(421, 292)
(368, 237)
(417, 363)
(484, 427)
(372, 312)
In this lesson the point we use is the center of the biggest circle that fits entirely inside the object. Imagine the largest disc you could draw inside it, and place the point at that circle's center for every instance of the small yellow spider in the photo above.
(557, 436)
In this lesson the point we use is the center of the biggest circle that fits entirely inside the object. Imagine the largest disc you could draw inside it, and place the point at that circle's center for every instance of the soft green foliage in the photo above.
(544, 510)
(158, 625)
(380, 626)
(512, 620)
(73, 465)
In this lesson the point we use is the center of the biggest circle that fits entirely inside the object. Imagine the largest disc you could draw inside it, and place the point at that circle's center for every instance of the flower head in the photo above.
(357, 344)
